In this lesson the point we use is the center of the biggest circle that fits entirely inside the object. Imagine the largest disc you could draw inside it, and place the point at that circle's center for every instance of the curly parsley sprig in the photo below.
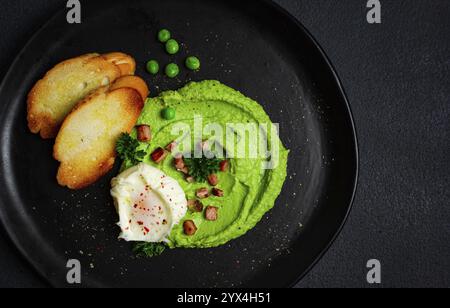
(127, 149)
(148, 250)
(201, 168)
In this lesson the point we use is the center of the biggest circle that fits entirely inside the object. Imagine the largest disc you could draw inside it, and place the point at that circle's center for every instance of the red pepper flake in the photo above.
(146, 229)
(140, 223)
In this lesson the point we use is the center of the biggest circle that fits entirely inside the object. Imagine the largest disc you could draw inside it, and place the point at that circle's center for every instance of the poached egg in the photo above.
(149, 204)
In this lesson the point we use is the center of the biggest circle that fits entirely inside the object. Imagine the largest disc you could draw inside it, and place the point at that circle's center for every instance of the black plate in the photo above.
(253, 46)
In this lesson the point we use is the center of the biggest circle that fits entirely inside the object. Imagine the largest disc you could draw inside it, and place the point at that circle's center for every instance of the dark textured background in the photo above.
(397, 77)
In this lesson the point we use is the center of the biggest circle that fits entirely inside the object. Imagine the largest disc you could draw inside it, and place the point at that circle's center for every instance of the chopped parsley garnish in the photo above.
(127, 149)
(201, 168)
(148, 250)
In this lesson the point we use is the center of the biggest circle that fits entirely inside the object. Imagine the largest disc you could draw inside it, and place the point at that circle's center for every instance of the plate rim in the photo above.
(341, 89)
(13, 237)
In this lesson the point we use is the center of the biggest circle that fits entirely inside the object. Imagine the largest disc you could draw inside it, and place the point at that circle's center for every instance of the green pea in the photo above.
(153, 67)
(168, 113)
(164, 35)
(172, 70)
(193, 63)
(172, 47)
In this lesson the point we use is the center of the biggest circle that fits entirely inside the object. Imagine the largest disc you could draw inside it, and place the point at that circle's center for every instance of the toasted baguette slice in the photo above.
(85, 145)
(125, 63)
(132, 82)
(53, 97)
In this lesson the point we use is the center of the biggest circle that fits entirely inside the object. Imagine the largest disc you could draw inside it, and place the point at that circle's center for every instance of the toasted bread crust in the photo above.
(54, 96)
(124, 62)
(132, 82)
(85, 145)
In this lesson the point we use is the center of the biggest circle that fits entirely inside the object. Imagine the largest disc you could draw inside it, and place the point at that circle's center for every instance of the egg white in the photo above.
(149, 204)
